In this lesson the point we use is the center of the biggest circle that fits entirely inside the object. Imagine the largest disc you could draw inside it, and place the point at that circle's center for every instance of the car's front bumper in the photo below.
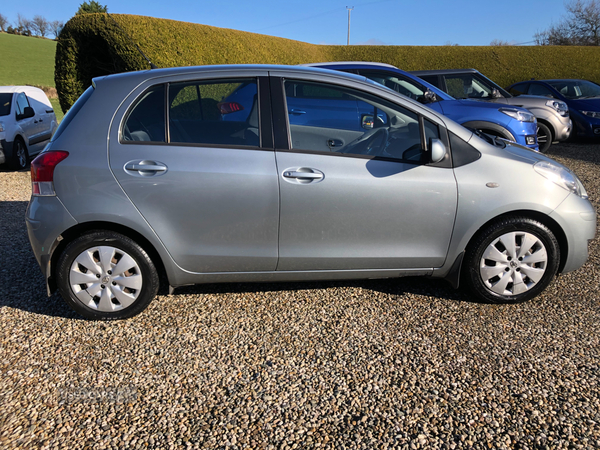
(577, 218)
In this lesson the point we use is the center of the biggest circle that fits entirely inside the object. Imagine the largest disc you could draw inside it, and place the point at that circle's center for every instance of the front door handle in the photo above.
(296, 111)
(303, 175)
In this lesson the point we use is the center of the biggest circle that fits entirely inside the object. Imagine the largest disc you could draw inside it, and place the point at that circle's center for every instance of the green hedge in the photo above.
(92, 45)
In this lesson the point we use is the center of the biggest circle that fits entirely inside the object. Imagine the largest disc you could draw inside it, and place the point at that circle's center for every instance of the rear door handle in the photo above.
(145, 168)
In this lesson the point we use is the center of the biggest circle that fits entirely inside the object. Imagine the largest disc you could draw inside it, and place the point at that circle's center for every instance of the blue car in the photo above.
(582, 97)
(508, 122)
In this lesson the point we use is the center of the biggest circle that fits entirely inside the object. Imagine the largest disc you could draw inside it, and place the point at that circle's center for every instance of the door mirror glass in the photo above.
(438, 150)
(430, 96)
(367, 121)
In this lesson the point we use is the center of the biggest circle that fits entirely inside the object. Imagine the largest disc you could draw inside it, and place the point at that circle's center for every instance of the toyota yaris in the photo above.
(161, 176)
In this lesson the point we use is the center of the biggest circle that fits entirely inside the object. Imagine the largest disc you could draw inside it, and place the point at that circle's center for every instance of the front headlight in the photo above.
(594, 114)
(561, 176)
(523, 116)
(560, 107)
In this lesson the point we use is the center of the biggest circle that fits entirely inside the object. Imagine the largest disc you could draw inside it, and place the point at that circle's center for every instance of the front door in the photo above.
(372, 203)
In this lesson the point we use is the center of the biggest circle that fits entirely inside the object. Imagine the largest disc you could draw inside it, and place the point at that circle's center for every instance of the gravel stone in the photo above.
(379, 364)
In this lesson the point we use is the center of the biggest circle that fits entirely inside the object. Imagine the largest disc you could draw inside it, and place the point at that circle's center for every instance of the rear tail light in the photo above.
(42, 172)
(229, 107)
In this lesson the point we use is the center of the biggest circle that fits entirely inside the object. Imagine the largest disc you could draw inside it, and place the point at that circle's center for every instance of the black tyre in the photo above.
(104, 275)
(544, 137)
(20, 155)
(511, 261)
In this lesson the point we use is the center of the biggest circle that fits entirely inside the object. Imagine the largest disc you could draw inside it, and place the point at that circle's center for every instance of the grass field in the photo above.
(28, 60)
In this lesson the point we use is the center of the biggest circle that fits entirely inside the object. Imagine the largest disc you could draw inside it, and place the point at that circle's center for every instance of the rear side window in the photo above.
(519, 89)
(146, 120)
(223, 112)
(5, 101)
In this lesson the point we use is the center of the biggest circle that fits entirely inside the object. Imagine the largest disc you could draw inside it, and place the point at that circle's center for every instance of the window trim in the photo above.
(264, 110)
(283, 136)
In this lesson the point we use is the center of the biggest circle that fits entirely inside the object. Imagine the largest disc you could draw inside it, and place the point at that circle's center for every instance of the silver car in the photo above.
(213, 174)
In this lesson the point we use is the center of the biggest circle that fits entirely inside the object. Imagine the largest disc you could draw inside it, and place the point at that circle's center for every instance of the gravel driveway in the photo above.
(406, 363)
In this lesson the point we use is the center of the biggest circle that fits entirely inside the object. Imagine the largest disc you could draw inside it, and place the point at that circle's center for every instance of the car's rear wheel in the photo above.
(20, 155)
(511, 261)
(544, 137)
(106, 275)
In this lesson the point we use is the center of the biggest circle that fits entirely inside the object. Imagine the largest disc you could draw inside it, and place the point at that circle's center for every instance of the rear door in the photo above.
(207, 186)
(371, 203)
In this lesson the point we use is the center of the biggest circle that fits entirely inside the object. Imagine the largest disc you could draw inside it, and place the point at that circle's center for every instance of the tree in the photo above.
(581, 26)
(56, 27)
(499, 43)
(40, 25)
(23, 25)
(91, 7)
(3, 22)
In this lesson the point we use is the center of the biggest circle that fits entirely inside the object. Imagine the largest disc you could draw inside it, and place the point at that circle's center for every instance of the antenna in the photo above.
(350, 9)
(152, 66)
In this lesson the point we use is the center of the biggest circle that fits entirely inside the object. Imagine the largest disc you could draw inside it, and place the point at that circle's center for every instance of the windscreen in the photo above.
(5, 102)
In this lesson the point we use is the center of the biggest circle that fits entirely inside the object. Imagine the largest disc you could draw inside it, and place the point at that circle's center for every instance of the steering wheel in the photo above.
(370, 143)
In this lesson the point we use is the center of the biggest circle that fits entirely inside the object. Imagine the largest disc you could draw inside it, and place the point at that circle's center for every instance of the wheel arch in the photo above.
(491, 126)
(550, 127)
(82, 228)
(540, 217)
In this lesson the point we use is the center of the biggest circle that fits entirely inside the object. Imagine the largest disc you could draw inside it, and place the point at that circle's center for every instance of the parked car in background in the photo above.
(512, 123)
(554, 123)
(27, 122)
(582, 97)
(145, 181)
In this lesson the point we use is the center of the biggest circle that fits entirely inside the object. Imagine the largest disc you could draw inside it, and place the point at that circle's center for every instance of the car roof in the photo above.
(152, 73)
(442, 71)
(349, 63)
(8, 89)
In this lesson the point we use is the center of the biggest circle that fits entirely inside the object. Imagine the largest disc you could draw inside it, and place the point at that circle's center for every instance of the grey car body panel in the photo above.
(364, 214)
(91, 192)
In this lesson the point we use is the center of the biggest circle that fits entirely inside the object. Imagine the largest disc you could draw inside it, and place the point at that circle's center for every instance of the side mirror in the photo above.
(438, 150)
(27, 113)
(496, 93)
(430, 96)
(367, 121)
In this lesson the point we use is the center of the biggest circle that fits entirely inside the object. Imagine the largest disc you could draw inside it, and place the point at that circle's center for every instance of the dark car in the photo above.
(582, 97)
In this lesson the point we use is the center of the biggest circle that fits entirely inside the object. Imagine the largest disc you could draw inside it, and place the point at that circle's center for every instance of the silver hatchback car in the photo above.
(276, 173)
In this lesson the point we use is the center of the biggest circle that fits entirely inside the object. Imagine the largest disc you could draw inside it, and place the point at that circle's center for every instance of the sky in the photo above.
(378, 22)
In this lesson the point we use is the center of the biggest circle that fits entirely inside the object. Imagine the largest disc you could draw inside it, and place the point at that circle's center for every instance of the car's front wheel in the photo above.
(106, 275)
(511, 261)
(20, 155)
(544, 137)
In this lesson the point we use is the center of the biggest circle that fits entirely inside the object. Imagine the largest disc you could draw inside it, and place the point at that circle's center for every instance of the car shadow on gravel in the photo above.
(395, 287)
(21, 282)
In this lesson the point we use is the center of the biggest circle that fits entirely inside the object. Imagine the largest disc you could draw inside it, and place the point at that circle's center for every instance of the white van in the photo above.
(27, 122)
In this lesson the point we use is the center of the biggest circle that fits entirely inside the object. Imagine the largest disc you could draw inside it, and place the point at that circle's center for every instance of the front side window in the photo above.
(5, 101)
(22, 103)
(519, 89)
(347, 121)
(467, 86)
(404, 86)
(223, 112)
(538, 89)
